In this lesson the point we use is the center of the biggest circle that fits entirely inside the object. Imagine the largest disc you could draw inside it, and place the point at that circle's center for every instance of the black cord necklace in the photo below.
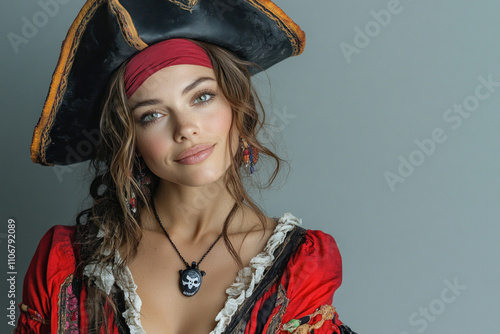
(191, 278)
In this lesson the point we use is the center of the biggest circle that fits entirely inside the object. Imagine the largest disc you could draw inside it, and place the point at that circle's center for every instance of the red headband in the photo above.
(160, 55)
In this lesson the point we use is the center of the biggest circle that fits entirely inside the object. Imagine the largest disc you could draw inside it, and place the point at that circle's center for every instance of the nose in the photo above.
(186, 127)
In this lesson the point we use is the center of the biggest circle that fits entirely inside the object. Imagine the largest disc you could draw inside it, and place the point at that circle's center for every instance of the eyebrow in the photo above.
(145, 103)
(186, 90)
(193, 85)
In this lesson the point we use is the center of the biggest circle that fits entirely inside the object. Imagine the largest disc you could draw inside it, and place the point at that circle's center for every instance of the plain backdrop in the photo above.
(382, 157)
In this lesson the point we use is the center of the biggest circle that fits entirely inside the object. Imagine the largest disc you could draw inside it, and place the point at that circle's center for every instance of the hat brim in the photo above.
(106, 33)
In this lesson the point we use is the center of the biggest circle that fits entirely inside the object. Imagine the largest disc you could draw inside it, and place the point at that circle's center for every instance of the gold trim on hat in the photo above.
(185, 4)
(127, 26)
(296, 36)
(58, 85)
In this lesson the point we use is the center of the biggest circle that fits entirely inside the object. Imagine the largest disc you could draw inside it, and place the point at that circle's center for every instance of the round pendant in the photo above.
(190, 280)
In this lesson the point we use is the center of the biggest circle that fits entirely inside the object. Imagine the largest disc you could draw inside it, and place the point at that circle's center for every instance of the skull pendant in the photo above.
(190, 280)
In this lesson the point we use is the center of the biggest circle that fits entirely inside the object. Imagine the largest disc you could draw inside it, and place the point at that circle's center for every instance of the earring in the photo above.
(250, 154)
(142, 180)
(131, 203)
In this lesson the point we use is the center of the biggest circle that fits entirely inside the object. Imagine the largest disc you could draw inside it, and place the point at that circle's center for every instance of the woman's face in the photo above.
(182, 123)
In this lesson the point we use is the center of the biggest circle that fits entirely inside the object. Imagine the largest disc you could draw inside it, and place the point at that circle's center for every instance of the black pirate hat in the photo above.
(107, 32)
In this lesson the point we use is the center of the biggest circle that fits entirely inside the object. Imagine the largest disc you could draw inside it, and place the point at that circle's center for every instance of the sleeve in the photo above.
(52, 262)
(311, 278)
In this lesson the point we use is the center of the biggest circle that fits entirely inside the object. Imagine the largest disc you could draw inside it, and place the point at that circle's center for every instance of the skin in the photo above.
(191, 200)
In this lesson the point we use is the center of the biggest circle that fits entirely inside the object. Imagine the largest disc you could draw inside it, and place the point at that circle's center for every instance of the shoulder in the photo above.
(321, 247)
(316, 260)
(58, 240)
(319, 255)
(55, 253)
(51, 265)
(316, 246)
(313, 272)
(59, 234)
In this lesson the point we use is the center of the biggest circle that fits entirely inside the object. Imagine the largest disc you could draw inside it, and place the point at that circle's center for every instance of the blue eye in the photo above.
(203, 98)
(149, 117)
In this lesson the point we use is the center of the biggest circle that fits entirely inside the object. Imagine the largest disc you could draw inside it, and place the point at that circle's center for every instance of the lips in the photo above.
(195, 154)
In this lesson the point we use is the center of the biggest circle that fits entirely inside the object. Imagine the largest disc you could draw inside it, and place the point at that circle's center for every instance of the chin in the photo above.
(200, 178)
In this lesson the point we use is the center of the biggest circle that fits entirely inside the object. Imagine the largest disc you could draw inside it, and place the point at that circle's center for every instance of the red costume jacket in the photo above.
(288, 288)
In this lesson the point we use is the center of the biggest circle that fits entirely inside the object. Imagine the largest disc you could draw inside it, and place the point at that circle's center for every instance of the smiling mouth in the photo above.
(195, 154)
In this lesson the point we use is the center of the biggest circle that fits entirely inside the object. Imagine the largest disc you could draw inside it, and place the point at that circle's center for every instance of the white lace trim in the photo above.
(250, 276)
(241, 289)
(105, 278)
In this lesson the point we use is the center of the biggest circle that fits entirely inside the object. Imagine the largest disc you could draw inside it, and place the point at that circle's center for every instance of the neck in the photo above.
(193, 212)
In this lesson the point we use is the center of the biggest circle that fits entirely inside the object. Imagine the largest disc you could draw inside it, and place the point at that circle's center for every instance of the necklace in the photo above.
(191, 277)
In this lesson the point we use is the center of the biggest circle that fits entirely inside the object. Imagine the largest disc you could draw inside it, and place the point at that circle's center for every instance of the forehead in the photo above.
(172, 79)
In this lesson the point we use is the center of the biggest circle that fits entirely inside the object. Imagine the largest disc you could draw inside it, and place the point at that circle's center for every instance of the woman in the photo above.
(178, 133)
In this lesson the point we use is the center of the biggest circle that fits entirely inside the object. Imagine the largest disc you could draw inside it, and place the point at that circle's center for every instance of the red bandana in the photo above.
(160, 55)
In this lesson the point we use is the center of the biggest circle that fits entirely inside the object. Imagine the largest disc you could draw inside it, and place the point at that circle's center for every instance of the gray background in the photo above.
(344, 124)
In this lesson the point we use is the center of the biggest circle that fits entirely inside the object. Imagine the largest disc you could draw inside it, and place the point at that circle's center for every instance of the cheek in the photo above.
(225, 121)
(218, 122)
(229, 130)
(150, 148)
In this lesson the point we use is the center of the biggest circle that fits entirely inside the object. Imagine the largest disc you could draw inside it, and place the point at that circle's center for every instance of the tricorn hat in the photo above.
(108, 32)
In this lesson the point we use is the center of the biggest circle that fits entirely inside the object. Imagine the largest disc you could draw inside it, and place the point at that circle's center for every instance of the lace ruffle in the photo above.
(250, 276)
(238, 292)
(104, 278)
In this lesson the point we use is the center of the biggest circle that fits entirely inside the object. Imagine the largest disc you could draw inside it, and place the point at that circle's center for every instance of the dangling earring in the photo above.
(142, 180)
(250, 155)
(131, 202)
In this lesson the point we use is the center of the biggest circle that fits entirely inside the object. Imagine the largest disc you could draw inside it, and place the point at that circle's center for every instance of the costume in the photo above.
(287, 288)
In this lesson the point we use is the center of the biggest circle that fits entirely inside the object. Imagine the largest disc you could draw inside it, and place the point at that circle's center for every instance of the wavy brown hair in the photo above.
(113, 183)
